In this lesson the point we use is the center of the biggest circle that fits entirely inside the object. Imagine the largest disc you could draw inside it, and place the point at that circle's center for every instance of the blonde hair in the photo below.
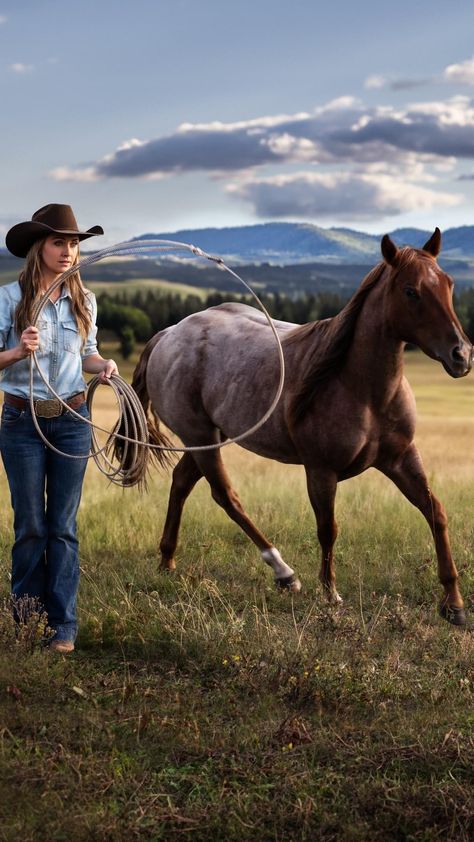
(31, 292)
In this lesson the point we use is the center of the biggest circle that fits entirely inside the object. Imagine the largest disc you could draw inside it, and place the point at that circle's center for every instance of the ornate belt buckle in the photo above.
(48, 409)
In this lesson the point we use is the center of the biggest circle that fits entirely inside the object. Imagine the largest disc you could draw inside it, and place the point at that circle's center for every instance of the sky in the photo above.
(158, 115)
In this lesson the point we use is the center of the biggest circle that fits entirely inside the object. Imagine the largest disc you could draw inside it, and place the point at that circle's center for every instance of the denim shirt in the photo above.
(60, 354)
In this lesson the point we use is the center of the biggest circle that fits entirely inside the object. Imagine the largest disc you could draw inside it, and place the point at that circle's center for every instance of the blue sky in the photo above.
(154, 116)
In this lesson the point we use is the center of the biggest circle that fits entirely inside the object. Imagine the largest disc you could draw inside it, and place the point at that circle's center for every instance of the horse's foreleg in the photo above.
(408, 474)
(185, 476)
(212, 467)
(322, 488)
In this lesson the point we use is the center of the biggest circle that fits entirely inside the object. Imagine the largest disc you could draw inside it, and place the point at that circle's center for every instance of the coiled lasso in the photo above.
(136, 451)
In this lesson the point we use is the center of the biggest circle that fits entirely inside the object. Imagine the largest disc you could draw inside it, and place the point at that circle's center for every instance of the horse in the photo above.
(346, 405)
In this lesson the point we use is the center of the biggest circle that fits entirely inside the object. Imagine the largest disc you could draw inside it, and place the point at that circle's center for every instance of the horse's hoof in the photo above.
(289, 583)
(334, 599)
(168, 566)
(455, 616)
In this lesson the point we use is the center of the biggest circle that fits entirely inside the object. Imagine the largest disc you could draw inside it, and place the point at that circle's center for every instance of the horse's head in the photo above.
(421, 305)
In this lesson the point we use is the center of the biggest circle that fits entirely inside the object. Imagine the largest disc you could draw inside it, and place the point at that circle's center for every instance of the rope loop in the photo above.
(137, 447)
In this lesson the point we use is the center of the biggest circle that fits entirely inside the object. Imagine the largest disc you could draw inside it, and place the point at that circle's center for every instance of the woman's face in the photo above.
(59, 253)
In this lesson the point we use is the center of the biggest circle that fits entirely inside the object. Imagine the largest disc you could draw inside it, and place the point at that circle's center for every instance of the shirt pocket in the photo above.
(71, 337)
(45, 336)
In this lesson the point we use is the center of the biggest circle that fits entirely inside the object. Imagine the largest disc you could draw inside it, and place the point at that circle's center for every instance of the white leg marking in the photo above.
(280, 568)
(334, 598)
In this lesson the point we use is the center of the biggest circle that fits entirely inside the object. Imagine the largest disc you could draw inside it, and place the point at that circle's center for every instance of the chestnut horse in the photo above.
(346, 405)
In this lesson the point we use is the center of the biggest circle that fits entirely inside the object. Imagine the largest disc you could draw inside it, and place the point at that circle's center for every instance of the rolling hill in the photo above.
(284, 256)
(290, 243)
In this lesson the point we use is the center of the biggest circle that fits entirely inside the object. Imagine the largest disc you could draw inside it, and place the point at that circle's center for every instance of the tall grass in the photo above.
(204, 703)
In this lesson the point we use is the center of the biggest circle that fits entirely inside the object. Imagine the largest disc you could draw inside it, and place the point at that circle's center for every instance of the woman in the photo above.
(46, 487)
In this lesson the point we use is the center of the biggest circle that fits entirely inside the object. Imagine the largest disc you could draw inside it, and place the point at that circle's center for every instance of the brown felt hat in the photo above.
(52, 219)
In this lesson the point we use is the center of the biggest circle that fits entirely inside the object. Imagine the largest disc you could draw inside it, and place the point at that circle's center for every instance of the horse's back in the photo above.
(224, 333)
(250, 315)
(232, 317)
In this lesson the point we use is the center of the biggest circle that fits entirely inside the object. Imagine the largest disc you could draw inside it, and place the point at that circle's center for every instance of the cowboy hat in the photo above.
(51, 219)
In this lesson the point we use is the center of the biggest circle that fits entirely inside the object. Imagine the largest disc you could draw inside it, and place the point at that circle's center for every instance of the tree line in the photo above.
(139, 315)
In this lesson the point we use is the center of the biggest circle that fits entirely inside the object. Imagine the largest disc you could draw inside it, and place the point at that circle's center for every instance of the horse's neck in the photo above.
(375, 358)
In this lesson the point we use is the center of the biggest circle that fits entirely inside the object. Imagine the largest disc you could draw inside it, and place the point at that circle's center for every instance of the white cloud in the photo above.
(342, 131)
(375, 81)
(293, 148)
(341, 103)
(20, 68)
(462, 73)
(74, 174)
(443, 129)
(336, 195)
(359, 162)
(259, 123)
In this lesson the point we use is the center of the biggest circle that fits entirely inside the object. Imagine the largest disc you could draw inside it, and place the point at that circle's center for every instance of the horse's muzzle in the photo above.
(460, 360)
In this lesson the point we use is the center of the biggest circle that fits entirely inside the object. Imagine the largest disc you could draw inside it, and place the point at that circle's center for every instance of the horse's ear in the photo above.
(389, 251)
(433, 246)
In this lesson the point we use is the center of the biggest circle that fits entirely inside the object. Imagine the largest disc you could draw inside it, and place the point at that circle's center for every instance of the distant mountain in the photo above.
(285, 243)
(279, 242)
(291, 243)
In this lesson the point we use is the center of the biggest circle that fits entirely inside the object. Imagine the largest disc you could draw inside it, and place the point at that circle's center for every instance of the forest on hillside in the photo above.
(139, 315)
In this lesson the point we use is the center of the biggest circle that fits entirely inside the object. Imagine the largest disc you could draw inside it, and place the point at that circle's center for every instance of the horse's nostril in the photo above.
(457, 354)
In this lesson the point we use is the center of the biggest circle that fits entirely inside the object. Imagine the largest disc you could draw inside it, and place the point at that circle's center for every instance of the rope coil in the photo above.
(137, 446)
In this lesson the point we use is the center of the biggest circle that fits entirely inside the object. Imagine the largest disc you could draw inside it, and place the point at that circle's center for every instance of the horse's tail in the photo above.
(126, 453)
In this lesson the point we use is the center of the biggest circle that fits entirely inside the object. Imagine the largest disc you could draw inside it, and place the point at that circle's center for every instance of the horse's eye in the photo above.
(412, 294)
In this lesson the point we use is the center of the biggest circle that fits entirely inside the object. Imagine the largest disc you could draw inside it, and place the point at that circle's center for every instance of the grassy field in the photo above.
(144, 285)
(206, 705)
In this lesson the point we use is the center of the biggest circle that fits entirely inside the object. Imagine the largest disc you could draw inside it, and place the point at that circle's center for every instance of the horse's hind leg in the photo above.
(185, 476)
(212, 467)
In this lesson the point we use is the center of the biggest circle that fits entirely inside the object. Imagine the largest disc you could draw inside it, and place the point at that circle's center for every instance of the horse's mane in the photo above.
(332, 340)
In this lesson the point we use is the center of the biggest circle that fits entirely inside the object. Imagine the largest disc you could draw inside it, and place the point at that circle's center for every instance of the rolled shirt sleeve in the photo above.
(90, 345)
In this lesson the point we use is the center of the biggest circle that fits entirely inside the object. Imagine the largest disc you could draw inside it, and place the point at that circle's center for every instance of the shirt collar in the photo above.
(65, 293)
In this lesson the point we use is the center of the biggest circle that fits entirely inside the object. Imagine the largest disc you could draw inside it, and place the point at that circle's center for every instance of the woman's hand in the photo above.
(110, 368)
(95, 364)
(29, 341)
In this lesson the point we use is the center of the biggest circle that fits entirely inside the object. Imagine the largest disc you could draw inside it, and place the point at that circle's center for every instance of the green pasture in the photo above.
(205, 705)
(130, 287)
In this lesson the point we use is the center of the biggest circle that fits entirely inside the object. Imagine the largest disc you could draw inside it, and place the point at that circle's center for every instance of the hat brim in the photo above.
(21, 237)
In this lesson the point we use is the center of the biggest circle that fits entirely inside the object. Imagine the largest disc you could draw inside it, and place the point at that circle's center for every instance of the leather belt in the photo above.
(47, 408)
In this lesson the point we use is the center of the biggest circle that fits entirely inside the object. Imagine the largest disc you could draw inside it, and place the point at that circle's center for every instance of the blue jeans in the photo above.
(45, 492)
